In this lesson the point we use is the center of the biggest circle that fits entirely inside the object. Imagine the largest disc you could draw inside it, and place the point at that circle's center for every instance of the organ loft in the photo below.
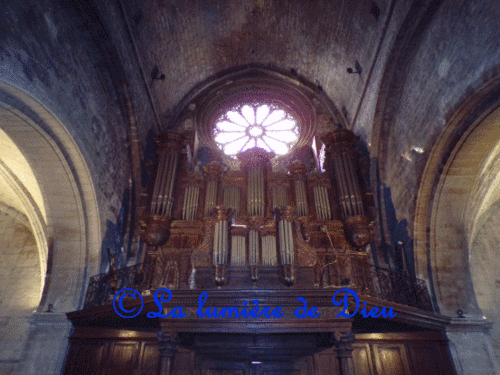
(257, 197)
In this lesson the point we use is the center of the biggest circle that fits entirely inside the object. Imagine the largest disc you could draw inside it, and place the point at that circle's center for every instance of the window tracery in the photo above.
(263, 125)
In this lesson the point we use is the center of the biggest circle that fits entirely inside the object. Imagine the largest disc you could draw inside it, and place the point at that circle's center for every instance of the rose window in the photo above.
(256, 125)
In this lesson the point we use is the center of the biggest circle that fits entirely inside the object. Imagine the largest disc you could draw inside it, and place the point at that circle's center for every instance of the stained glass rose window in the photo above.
(260, 125)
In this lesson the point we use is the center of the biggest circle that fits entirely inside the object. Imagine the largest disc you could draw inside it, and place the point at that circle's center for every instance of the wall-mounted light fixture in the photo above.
(156, 75)
(357, 69)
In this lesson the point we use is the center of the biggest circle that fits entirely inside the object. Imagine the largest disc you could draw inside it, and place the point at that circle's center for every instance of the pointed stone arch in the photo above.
(68, 235)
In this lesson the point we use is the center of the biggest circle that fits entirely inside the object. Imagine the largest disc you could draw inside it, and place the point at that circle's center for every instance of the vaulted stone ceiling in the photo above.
(190, 41)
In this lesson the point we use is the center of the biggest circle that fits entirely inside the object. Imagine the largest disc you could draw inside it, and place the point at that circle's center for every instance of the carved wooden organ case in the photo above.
(211, 226)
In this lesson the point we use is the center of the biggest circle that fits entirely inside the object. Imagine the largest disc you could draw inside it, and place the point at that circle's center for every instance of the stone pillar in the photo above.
(471, 347)
(168, 343)
(47, 344)
(342, 169)
(343, 347)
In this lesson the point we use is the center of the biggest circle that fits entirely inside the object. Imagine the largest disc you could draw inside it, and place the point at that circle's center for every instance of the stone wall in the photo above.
(47, 52)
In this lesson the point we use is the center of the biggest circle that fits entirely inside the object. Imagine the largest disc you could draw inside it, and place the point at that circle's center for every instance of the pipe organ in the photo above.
(246, 230)
(252, 220)
(250, 235)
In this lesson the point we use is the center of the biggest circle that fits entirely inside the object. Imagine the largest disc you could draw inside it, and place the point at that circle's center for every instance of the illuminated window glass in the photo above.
(256, 125)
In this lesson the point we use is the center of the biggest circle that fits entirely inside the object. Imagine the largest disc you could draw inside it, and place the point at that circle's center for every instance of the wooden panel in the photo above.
(326, 362)
(85, 358)
(304, 366)
(150, 358)
(123, 358)
(362, 359)
(391, 358)
(211, 367)
(183, 362)
(430, 358)
(226, 372)
(278, 370)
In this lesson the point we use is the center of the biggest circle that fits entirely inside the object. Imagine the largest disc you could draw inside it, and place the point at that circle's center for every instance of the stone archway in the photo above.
(453, 219)
(65, 222)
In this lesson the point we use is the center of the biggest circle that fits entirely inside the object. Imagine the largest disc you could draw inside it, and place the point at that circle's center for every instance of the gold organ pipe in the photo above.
(250, 193)
(210, 197)
(350, 182)
(280, 195)
(281, 241)
(327, 203)
(322, 202)
(356, 189)
(260, 188)
(238, 250)
(300, 198)
(274, 260)
(191, 202)
(243, 250)
(290, 242)
(319, 210)
(219, 243)
(354, 193)
(216, 244)
(225, 246)
(157, 185)
(304, 198)
(234, 250)
(237, 192)
(254, 190)
(160, 182)
(170, 198)
(264, 251)
(255, 194)
(164, 185)
(287, 237)
(344, 195)
(254, 184)
(184, 204)
(196, 200)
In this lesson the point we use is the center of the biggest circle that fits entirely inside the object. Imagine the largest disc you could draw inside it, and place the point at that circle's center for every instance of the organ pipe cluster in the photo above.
(221, 243)
(255, 162)
(235, 208)
(298, 171)
(342, 166)
(190, 205)
(322, 203)
(232, 195)
(212, 171)
(155, 226)
(256, 191)
(340, 156)
(286, 243)
(163, 193)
